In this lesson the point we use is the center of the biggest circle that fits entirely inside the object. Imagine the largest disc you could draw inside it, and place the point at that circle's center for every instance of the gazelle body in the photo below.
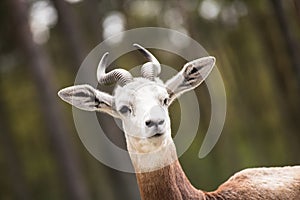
(142, 105)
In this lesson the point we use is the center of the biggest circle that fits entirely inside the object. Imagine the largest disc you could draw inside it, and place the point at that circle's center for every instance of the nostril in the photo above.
(149, 123)
(161, 122)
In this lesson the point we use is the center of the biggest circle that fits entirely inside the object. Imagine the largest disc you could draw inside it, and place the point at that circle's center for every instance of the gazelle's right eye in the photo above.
(124, 110)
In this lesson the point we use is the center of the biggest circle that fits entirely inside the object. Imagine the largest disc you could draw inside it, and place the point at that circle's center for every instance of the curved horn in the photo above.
(151, 69)
(121, 76)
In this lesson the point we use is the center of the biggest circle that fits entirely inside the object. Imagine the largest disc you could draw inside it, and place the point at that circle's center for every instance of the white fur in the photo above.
(142, 96)
(151, 154)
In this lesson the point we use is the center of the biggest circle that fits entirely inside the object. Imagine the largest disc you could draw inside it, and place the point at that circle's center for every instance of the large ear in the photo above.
(192, 75)
(85, 97)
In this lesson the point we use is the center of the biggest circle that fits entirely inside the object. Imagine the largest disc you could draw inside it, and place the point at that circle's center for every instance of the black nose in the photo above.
(150, 123)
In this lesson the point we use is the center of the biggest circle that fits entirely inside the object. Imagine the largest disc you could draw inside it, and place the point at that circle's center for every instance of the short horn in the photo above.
(121, 76)
(151, 69)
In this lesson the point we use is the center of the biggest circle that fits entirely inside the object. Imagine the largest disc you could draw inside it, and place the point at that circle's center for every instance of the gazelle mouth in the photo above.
(156, 135)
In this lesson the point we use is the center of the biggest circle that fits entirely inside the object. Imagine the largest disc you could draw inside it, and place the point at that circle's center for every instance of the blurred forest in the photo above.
(43, 43)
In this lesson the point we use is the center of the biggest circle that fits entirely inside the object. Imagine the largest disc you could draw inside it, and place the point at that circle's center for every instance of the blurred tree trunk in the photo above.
(14, 163)
(94, 16)
(279, 68)
(42, 73)
(292, 46)
(71, 32)
(293, 52)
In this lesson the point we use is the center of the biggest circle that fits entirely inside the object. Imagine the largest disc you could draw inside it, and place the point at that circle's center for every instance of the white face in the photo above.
(143, 108)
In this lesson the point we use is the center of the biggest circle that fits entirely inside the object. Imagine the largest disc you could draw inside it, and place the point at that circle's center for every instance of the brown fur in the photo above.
(276, 183)
(171, 183)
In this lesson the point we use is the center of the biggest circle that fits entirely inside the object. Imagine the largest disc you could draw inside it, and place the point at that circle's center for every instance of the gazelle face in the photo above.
(143, 108)
(141, 103)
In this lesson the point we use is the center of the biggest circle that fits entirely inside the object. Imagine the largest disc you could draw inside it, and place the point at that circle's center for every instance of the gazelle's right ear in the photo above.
(85, 97)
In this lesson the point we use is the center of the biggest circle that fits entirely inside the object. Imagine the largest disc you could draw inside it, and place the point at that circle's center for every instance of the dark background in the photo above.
(43, 43)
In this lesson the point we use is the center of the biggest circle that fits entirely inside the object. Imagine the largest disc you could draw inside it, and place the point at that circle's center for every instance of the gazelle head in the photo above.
(142, 102)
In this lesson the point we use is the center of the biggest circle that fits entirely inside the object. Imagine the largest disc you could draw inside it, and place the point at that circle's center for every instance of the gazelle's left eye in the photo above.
(166, 101)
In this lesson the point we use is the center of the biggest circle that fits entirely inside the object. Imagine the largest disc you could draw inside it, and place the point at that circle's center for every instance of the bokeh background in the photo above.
(43, 43)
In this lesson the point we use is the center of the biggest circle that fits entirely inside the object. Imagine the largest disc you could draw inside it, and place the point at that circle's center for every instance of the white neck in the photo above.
(151, 154)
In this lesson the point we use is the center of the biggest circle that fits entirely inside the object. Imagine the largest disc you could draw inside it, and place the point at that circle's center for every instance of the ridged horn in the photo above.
(151, 69)
(121, 76)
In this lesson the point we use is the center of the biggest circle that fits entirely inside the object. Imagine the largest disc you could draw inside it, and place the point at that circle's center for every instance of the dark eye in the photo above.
(166, 101)
(124, 110)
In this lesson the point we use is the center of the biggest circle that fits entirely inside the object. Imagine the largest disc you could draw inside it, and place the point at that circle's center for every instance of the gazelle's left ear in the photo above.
(192, 75)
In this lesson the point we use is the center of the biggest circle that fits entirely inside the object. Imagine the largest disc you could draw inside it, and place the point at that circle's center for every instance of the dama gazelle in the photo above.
(142, 105)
